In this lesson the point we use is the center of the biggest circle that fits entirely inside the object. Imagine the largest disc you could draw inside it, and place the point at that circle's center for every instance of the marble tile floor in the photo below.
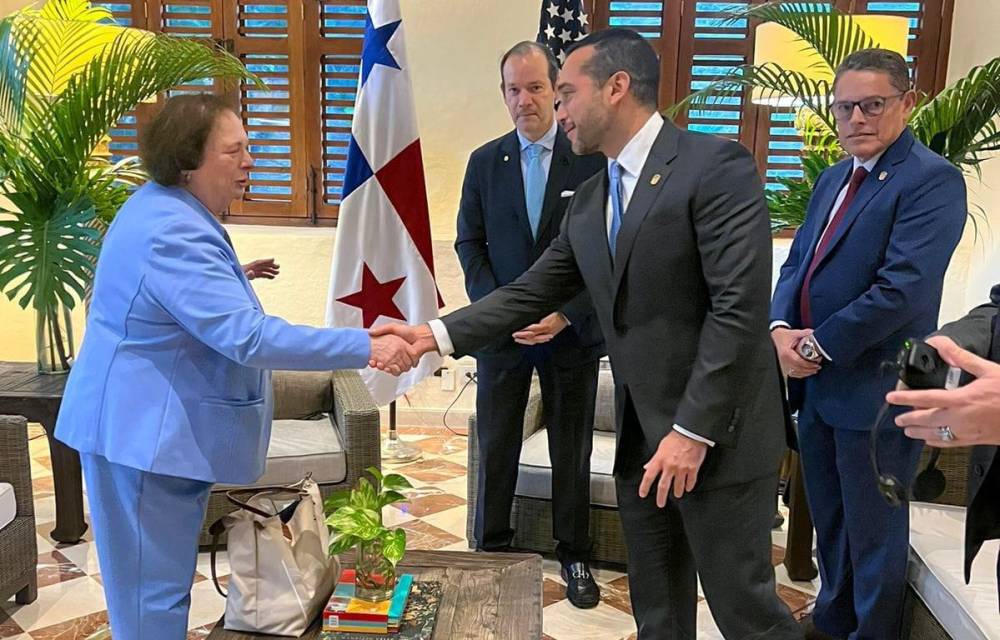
(70, 603)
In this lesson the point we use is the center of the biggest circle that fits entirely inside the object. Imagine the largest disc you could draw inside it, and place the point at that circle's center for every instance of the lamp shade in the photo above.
(780, 46)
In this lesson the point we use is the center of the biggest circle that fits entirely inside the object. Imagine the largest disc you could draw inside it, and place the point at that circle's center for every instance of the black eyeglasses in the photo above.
(874, 106)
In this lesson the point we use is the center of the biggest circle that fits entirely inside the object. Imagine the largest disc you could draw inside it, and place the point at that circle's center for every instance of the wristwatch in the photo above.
(807, 349)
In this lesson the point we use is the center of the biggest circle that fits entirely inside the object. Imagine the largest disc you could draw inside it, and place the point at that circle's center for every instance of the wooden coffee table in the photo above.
(488, 596)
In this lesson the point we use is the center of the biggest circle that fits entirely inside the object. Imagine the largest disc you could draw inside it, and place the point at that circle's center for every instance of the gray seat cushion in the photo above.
(534, 472)
(298, 447)
(8, 505)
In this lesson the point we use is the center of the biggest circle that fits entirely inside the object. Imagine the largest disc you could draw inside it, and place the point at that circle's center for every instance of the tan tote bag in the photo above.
(281, 574)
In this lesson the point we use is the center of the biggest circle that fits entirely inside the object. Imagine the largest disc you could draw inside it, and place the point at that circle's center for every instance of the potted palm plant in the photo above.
(68, 73)
(960, 123)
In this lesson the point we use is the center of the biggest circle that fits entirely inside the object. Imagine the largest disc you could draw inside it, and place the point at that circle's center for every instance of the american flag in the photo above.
(563, 22)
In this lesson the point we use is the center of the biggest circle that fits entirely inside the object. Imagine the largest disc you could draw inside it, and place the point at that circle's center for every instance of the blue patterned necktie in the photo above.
(615, 173)
(534, 186)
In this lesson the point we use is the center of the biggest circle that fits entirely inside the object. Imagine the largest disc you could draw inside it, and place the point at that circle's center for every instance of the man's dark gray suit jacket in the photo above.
(683, 306)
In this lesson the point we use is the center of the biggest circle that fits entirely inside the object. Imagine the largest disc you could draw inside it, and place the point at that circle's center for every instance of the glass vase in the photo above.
(374, 576)
(54, 346)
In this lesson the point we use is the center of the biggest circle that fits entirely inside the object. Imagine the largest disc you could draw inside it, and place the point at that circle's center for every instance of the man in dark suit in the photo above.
(673, 245)
(966, 416)
(864, 273)
(513, 200)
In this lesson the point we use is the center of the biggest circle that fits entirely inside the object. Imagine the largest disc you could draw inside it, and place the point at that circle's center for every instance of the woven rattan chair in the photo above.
(18, 550)
(299, 395)
(531, 518)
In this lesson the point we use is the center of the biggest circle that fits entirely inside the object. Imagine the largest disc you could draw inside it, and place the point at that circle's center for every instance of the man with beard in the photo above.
(673, 245)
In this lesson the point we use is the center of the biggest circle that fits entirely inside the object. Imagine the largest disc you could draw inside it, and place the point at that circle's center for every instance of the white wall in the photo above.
(976, 267)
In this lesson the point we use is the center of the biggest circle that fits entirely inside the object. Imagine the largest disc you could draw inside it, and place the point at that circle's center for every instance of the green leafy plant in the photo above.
(355, 515)
(68, 73)
(961, 123)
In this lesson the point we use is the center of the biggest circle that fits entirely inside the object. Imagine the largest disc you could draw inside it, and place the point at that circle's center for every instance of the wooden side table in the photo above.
(25, 392)
(488, 596)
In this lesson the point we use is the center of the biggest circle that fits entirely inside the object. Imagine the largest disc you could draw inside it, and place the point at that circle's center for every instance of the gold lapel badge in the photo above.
(883, 175)
(655, 180)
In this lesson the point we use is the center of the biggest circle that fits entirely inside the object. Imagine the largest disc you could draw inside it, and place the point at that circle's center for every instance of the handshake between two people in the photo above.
(396, 348)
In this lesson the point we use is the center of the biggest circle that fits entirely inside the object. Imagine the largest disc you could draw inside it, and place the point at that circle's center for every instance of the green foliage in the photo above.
(67, 75)
(962, 122)
(355, 515)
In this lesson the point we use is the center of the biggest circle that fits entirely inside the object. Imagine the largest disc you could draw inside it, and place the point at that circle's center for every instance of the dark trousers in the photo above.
(568, 396)
(862, 543)
(722, 535)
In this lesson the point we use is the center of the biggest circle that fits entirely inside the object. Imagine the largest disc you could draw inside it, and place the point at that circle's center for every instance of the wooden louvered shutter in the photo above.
(334, 38)
(778, 144)
(695, 45)
(125, 134)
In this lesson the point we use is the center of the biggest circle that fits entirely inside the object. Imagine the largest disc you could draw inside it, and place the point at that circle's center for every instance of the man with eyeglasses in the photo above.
(865, 272)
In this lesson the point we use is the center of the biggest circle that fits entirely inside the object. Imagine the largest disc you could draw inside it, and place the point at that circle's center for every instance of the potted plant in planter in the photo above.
(68, 74)
(961, 123)
(355, 516)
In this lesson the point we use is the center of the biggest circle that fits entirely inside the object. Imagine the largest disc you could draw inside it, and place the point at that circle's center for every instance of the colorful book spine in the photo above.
(345, 613)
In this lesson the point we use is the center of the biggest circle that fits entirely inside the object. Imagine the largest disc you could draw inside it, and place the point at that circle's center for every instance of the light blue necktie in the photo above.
(615, 173)
(534, 186)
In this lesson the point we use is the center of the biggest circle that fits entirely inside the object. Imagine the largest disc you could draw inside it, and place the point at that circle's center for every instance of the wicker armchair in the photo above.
(531, 518)
(299, 394)
(18, 550)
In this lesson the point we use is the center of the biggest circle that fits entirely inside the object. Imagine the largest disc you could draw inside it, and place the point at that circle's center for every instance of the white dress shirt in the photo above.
(631, 159)
(869, 165)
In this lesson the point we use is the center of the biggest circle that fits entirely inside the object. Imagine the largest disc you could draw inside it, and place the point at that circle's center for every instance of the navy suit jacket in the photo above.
(495, 244)
(880, 280)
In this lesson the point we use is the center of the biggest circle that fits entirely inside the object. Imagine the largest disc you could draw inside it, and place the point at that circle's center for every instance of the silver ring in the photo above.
(945, 434)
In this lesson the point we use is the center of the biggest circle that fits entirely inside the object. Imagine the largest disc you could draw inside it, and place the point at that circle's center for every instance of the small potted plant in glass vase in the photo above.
(355, 518)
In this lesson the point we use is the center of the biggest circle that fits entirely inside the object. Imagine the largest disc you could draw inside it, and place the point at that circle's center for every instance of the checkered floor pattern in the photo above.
(70, 603)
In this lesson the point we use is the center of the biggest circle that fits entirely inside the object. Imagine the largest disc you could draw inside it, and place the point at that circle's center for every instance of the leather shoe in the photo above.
(581, 588)
(811, 632)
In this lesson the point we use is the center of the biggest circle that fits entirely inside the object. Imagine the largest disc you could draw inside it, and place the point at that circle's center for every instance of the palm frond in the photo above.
(772, 80)
(53, 113)
(14, 64)
(832, 34)
(962, 123)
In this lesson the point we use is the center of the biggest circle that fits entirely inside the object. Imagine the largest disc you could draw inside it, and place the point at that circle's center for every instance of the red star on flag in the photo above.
(375, 298)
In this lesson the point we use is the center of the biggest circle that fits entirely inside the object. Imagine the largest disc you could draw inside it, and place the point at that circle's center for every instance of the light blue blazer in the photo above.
(173, 376)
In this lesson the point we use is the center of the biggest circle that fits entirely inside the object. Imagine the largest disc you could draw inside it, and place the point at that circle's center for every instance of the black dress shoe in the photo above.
(581, 589)
(811, 632)
(778, 520)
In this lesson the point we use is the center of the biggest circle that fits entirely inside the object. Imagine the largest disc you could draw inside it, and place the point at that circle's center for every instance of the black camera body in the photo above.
(919, 366)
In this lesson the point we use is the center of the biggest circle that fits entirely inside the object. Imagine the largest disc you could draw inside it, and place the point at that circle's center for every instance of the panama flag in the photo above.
(383, 267)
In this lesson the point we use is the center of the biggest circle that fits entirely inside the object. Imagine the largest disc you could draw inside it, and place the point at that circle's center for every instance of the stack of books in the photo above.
(345, 613)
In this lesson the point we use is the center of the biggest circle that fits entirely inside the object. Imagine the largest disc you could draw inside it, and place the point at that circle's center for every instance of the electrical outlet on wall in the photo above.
(447, 379)
(465, 372)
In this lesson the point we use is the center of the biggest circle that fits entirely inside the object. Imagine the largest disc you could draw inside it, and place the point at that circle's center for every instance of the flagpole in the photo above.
(395, 450)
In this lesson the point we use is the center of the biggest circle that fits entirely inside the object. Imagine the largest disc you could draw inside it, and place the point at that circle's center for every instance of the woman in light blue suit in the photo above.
(172, 391)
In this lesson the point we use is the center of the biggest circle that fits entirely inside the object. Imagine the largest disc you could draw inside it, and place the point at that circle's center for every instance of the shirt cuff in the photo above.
(819, 348)
(779, 323)
(565, 319)
(694, 436)
(445, 347)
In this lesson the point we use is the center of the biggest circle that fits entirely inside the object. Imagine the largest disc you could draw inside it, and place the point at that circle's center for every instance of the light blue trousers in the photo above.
(146, 528)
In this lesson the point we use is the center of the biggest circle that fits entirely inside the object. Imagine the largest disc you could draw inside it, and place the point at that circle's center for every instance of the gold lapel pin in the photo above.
(655, 179)
(883, 175)
(506, 157)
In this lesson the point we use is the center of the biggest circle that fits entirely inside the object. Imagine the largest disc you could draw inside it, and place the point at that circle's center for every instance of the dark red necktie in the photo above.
(857, 178)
